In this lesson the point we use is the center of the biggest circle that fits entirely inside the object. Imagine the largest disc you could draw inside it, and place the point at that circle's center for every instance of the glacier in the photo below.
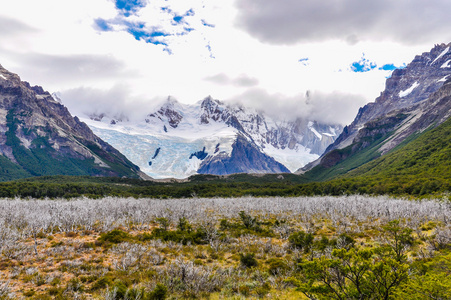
(176, 132)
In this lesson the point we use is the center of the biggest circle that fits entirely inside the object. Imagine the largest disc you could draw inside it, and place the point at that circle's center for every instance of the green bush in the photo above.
(160, 292)
(248, 260)
(301, 240)
(115, 236)
(277, 266)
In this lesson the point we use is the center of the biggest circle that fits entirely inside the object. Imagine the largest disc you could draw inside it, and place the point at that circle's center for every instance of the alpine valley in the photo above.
(406, 129)
(176, 140)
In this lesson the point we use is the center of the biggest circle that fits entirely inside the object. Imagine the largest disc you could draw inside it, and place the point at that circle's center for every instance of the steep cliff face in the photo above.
(245, 158)
(40, 137)
(216, 129)
(405, 88)
(416, 98)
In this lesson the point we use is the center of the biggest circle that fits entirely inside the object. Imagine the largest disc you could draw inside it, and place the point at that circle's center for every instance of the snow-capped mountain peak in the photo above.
(210, 136)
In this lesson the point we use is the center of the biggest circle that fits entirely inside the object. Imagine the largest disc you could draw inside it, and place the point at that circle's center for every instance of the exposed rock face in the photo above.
(245, 158)
(264, 130)
(415, 98)
(405, 88)
(40, 136)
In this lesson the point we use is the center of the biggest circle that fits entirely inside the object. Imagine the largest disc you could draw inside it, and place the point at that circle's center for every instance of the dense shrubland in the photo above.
(236, 185)
(352, 247)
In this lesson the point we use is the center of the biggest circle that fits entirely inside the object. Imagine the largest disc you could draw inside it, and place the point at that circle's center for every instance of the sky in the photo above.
(292, 58)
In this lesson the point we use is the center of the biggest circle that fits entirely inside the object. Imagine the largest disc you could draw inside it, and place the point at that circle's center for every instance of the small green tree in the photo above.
(184, 225)
(301, 240)
(351, 274)
(248, 221)
(398, 238)
(163, 222)
(160, 292)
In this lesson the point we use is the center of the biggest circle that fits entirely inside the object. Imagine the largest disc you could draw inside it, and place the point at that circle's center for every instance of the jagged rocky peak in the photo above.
(244, 158)
(57, 98)
(415, 98)
(7, 77)
(410, 85)
(211, 110)
(171, 111)
(406, 87)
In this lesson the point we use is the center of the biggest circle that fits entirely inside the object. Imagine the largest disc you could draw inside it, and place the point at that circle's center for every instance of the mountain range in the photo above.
(405, 130)
(212, 137)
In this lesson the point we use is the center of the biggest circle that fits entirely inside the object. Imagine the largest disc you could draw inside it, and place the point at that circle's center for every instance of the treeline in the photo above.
(69, 187)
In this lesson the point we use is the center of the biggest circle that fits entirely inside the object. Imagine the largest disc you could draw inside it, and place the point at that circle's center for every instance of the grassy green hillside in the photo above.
(427, 156)
(419, 166)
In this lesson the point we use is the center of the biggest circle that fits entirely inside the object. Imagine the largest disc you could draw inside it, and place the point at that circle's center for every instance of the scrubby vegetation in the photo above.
(348, 247)
(238, 185)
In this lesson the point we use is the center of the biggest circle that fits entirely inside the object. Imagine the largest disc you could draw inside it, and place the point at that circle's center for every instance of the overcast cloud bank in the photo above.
(126, 55)
(294, 21)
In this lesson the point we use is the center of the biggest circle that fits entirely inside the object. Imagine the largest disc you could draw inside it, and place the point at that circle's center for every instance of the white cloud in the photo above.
(293, 21)
(59, 45)
(115, 102)
(241, 81)
(328, 108)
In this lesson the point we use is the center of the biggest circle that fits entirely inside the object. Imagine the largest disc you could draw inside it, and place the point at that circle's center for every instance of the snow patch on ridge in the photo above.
(443, 79)
(407, 92)
(310, 126)
(3, 77)
(441, 54)
(446, 64)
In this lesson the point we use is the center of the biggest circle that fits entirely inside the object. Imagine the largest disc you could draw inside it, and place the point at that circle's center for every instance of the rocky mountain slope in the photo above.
(416, 98)
(38, 136)
(211, 137)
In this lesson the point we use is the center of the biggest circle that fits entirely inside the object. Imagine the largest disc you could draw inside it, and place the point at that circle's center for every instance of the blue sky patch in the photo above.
(129, 6)
(363, 65)
(190, 13)
(178, 19)
(210, 51)
(139, 31)
(388, 67)
(391, 67)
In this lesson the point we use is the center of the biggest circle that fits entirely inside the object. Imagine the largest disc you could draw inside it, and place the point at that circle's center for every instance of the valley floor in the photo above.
(353, 247)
